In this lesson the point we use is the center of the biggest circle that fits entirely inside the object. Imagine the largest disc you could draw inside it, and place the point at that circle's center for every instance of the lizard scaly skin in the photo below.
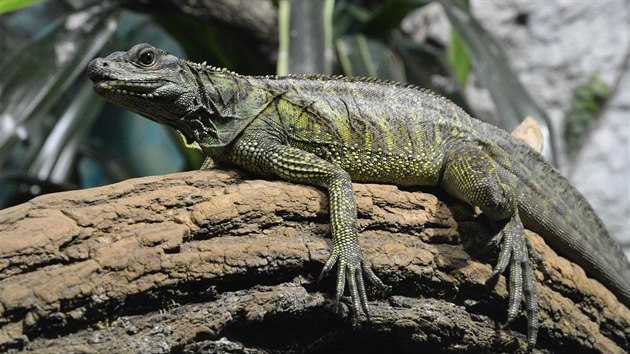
(330, 131)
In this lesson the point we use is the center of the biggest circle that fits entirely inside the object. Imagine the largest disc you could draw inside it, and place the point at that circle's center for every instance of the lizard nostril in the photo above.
(104, 64)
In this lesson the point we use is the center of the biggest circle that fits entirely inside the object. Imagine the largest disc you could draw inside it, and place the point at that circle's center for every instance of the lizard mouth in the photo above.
(133, 88)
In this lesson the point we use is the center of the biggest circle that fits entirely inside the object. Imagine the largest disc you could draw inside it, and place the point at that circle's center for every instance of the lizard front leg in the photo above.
(351, 264)
(471, 175)
(300, 166)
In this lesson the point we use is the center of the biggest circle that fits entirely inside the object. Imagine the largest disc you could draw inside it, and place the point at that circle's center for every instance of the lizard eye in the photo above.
(147, 58)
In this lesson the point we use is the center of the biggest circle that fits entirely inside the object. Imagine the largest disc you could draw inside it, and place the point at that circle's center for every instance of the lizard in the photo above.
(330, 131)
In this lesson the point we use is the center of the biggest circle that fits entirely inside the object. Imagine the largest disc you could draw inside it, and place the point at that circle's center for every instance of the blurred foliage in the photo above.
(361, 56)
(12, 5)
(588, 100)
(458, 58)
(492, 67)
(305, 46)
(56, 134)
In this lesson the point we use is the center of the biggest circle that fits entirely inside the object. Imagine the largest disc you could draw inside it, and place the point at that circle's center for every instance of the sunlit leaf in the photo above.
(457, 56)
(12, 5)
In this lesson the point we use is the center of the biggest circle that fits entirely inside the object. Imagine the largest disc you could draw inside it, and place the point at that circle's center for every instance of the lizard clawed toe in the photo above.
(350, 270)
(515, 253)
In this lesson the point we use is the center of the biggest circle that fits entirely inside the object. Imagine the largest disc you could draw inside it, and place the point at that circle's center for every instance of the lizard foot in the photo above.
(351, 267)
(515, 253)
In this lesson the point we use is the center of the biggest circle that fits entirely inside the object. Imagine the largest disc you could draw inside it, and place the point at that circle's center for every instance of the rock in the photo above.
(602, 170)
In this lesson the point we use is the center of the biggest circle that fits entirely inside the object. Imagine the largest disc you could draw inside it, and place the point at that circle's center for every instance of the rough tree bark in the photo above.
(216, 261)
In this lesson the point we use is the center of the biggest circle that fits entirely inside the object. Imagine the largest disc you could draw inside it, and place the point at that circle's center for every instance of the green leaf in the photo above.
(12, 5)
(493, 70)
(375, 18)
(199, 41)
(388, 15)
(218, 46)
(427, 67)
(588, 101)
(458, 58)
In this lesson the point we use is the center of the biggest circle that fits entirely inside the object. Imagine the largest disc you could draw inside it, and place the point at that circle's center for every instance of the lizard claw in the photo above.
(515, 253)
(330, 263)
(351, 268)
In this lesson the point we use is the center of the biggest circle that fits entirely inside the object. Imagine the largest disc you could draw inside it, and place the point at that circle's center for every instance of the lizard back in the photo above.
(394, 133)
(377, 131)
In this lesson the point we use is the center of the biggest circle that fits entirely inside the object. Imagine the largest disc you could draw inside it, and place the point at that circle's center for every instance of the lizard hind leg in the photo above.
(471, 175)
(515, 252)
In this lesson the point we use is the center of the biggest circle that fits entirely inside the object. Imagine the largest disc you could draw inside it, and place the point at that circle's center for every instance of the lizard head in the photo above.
(150, 82)
(209, 106)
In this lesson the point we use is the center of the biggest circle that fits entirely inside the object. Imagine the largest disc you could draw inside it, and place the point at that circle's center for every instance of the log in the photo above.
(217, 261)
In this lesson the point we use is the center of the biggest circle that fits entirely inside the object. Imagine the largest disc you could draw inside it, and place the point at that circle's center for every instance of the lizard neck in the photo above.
(224, 105)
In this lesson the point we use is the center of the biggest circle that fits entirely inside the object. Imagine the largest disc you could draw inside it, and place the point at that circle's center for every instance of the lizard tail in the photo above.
(550, 206)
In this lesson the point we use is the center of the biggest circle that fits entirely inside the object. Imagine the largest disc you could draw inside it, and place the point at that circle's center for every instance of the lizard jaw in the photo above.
(132, 88)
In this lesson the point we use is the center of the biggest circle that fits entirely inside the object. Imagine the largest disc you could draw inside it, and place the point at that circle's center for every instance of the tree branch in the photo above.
(211, 260)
